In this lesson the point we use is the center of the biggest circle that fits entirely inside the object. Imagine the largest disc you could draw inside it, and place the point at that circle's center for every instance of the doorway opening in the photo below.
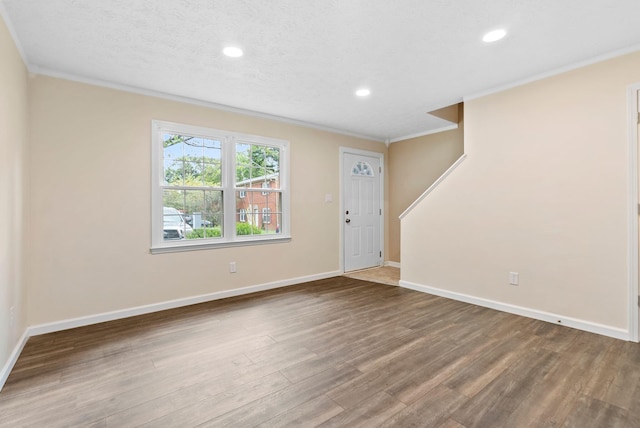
(634, 212)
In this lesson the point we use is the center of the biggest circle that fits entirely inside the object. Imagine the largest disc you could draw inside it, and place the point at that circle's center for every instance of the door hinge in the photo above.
(381, 256)
(381, 209)
(638, 300)
(380, 168)
(638, 118)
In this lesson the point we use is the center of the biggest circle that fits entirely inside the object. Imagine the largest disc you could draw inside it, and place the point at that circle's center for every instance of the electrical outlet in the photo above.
(232, 267)
(514, 278)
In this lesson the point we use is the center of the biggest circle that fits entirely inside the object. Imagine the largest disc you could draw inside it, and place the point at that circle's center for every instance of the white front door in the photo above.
(362, 211)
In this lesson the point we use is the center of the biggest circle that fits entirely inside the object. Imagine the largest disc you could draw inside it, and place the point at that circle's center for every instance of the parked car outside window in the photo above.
(175, 226)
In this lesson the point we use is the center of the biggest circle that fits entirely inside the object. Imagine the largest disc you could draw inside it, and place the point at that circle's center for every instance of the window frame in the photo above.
(229, 191)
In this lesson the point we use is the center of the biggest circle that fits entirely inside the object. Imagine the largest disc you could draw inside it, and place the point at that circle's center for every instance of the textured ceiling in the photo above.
(304, 59)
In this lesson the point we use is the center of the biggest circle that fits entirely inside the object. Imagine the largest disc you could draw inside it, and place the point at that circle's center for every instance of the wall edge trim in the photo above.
(13, 358)
(52, 327)
(591, 327)
(433, 186)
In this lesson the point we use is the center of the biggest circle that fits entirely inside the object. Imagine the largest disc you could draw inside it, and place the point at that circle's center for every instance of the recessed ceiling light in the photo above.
(363, 92)
(494, 36)
(232, 52)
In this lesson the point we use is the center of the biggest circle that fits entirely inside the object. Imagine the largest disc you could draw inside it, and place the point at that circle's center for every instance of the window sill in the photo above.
(172, 248)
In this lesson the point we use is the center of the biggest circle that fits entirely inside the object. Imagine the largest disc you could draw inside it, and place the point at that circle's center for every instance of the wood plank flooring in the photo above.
(339, 352)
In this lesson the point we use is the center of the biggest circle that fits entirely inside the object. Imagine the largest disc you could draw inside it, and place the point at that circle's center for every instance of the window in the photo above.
(362, 168)
(203, 181)
(266, 215)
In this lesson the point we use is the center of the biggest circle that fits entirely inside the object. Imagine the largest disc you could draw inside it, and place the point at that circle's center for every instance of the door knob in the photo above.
(348, 220)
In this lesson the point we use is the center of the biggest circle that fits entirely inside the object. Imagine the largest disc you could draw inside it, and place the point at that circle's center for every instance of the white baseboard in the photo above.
(4, 374)
(591, 327)
(392, 264)
(156, 307)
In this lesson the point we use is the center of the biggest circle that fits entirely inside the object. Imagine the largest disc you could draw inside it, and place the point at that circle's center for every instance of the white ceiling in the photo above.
(304, 59)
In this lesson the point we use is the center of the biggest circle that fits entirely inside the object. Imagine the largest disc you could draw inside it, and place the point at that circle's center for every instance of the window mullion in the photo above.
(228, 182)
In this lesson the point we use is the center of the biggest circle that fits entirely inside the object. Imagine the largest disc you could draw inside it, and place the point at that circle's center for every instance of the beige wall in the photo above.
(90, 196)
(543, 192)
(413, 166)
(13, 143)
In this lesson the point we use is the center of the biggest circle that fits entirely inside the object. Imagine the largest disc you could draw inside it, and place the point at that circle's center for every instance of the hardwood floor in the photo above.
(339, 352)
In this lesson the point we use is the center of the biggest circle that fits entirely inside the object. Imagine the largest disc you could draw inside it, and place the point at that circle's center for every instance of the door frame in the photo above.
(380, 156)
(634, 209)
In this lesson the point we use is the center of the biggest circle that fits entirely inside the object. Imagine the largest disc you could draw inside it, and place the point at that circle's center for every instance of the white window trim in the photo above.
(230, 239)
